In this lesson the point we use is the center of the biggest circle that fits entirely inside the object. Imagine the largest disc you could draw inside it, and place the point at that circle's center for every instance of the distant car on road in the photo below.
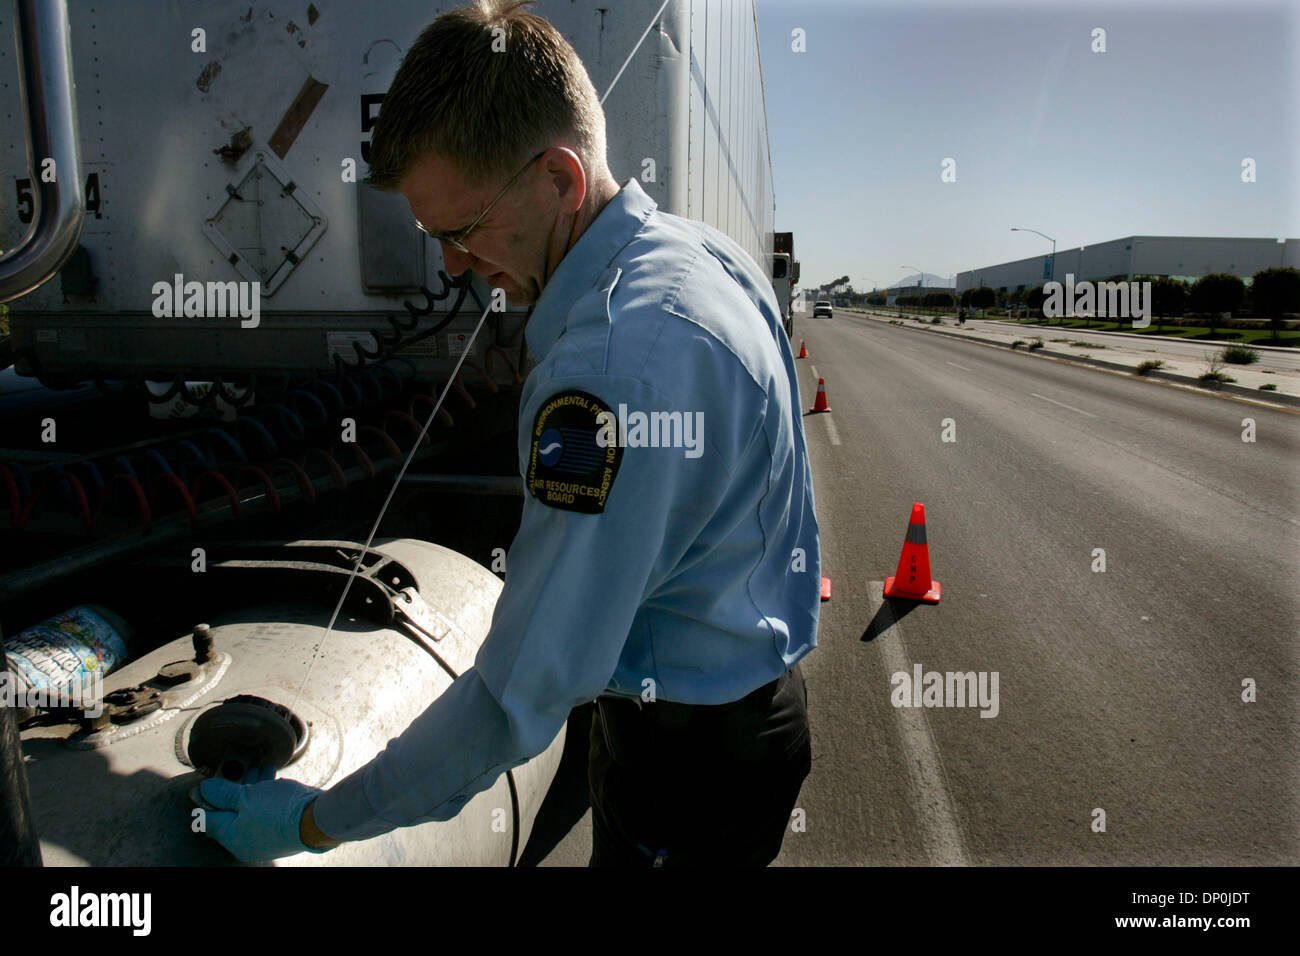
(822, 307)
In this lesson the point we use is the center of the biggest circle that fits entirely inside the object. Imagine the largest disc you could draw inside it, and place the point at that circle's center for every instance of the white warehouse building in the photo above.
(1179, 257)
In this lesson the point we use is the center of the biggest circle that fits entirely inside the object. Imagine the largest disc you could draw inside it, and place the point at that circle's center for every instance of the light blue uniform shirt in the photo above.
(702, 571)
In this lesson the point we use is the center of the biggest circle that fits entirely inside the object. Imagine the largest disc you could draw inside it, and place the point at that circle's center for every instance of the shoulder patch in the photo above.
(575, 453)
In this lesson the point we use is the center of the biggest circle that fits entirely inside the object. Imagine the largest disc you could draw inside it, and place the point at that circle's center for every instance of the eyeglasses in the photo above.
(457, 238)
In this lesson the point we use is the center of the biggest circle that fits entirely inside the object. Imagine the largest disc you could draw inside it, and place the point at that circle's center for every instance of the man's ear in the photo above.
(565, 173)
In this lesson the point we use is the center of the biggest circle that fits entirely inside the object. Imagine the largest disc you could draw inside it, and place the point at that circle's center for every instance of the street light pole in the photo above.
(1051, 268)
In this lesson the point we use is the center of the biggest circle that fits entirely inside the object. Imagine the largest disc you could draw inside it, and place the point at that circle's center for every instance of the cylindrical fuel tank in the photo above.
(115, 793)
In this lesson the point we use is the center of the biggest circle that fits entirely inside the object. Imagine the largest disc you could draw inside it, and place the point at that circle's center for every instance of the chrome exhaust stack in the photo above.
(47, 89)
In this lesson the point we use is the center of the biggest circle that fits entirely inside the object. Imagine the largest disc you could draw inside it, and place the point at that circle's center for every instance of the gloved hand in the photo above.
(257, 819)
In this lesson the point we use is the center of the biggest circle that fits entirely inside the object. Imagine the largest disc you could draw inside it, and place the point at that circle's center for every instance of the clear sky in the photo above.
(1146, 138)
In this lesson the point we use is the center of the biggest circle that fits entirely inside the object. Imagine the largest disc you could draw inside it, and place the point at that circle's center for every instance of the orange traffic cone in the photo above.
(803, 349)
(820, 405)
(826, 589)
(912, 580)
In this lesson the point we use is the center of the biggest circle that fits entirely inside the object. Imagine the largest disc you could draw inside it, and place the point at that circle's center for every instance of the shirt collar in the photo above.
(584, 264)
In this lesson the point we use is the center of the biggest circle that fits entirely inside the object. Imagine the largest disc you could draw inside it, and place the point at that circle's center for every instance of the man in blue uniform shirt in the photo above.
(667, 560)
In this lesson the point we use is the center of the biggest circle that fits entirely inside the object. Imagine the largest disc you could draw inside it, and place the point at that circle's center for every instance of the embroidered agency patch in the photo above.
(567, 467)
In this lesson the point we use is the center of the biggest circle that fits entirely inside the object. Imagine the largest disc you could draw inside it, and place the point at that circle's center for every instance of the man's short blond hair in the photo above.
(486, 86)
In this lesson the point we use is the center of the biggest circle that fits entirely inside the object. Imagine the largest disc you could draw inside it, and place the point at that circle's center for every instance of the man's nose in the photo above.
(455, 260)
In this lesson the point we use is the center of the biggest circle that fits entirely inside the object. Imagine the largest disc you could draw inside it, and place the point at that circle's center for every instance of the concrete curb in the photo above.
(1129, 336)
(1222, 387)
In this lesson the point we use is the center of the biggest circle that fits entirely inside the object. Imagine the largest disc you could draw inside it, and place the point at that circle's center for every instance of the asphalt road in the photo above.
(1119, 692)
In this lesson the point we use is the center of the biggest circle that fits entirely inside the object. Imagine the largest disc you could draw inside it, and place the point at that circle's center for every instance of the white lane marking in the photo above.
(962, 367)
(909, 348)
(831, 430)
(1063, 405)
(940, 831)
(814, 370)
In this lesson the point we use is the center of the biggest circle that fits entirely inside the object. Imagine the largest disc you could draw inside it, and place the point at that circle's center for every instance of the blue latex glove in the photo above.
(257, 819)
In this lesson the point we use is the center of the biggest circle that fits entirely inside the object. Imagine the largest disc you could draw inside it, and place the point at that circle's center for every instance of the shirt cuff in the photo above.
(344, 813)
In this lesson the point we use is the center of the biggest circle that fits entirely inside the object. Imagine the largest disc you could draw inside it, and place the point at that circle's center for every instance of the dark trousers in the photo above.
(680, 785)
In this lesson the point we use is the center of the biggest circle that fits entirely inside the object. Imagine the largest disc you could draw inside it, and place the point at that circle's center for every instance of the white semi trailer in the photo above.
(176, 149)
(239, 161)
